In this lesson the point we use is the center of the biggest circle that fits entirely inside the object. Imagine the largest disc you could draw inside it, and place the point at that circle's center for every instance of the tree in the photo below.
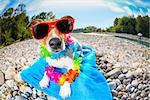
(8, 12)
(142, 25)
(89, 29)
(44, 16)
(20, 9)
(116, 21)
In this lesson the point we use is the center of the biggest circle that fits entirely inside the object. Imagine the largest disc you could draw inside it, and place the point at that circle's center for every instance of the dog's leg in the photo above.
(65, 90)
(44, 83)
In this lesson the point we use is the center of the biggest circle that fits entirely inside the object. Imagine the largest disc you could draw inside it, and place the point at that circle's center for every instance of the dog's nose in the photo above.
(55, 43)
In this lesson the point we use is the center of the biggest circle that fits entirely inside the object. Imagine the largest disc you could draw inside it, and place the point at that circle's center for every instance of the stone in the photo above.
(20, 98)
(14, 93)
(133, 96)
(100, 53)
(112, 85)
(27, 94)
(115, 98)
(127, 81)
(10, 73)
(134, 82)
(119, 88)
(115, 72)
(124, 70)
(16, 88)
(43, 98)
(129, 74)
(117, 81)
(114, 93)
(39, 93)
(138, 71)
(18, 78)
(34, 96)
(8, 97)
(132, 89)
(22, 88)
(124, 97)
(34, 91)
(28, 89)
(1, 78)
(10, 83)
(38, 98)
(109, 65)
(136, 64)
(24, 95)
(121, 77)
(140, 86)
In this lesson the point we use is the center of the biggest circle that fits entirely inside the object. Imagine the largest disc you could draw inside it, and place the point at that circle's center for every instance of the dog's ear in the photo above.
(36, 21)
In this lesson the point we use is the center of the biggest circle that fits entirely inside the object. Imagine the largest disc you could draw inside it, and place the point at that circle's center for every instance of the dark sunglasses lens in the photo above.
(65, 26)
(41, 30)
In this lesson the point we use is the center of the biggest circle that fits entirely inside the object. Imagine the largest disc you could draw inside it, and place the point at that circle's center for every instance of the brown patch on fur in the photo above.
(36, 21)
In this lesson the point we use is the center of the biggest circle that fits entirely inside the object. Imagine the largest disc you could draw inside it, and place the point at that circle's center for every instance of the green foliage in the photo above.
(44, 16)
(89, 29)
(142, 25)
(13, 26)
(9, 12)
(131, 25)
(78, 30)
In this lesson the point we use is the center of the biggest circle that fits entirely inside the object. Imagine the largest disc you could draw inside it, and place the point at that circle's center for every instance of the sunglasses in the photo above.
(63, 25)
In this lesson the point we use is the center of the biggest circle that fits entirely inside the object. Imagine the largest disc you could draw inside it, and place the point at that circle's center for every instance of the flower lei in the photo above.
(56, 76)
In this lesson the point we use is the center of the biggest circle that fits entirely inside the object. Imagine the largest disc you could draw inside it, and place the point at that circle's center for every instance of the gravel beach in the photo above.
(125, 64)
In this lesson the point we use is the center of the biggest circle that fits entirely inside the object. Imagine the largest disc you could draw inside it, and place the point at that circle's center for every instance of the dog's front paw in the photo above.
(65, 90)
(44, 83)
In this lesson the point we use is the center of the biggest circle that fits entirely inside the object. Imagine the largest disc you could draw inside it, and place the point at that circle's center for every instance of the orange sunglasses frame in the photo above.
(50, 24)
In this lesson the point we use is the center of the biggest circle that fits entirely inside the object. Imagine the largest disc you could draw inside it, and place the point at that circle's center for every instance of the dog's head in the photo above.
(55, 40)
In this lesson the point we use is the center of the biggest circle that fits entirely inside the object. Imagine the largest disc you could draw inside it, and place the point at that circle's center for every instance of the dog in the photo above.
(55, 42)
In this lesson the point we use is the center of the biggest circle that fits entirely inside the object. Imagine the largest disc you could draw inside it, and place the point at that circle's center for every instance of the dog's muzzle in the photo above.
(55, 43)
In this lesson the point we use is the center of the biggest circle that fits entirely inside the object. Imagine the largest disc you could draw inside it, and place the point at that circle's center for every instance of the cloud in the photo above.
(3, 3)
(140, 2)
(148, 11)
(128, 10)
(74, 4)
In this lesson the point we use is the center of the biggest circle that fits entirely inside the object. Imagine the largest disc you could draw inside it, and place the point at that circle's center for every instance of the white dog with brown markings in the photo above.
(55, 42)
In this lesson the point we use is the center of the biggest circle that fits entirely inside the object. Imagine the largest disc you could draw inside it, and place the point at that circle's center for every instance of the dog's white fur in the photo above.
(63, 62)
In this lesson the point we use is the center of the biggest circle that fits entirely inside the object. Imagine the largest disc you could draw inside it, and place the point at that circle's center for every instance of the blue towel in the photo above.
(89, 85)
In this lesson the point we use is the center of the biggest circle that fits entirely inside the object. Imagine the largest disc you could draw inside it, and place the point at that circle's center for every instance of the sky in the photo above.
(99, 13)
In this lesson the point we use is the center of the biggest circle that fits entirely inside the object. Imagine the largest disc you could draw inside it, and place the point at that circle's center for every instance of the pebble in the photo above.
(129, 74)
(135, 82)
(114, 93)
(8, 97)
(127, 81)
(16, 88)
(14, 93)
(121, 61)
(20, 98)
(124, 97)
(124, 70)
(121, 77)
(140, 86)
(10, 83)
(119, 88)
(114, 72)
(112, 85)
(10, 73)
(24, 95)
(28, 89)
(1, 78)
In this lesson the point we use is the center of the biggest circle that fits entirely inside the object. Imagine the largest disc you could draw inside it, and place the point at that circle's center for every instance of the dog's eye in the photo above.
(64, 26)
(41, 30)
